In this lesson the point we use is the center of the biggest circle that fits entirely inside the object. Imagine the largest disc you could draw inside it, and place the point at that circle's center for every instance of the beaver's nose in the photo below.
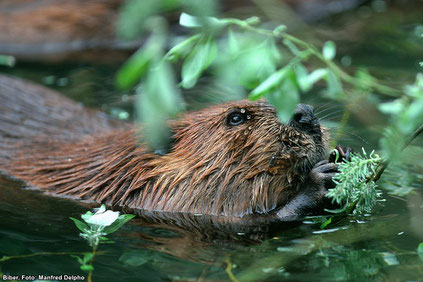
(303, 115)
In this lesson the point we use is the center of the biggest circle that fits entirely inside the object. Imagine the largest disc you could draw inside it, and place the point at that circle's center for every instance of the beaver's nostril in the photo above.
(304, 114)
(297, 117)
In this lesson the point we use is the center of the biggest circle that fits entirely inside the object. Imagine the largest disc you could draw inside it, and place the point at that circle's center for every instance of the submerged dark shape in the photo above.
(235, 159)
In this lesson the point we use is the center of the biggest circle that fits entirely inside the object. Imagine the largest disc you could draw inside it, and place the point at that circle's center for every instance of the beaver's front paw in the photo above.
(312, 197)
(321, 176)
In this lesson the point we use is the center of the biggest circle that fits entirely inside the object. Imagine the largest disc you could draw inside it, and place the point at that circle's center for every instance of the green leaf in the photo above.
(8, 61)
(364, 79)
(80, 225)
(291, 47)
(182, 49)
(329, 50)
(420, 250)
(279, 29)
(233, 42)
(301, 75)
(336, 211)
(285, 98)
(270, 83)
(131, 72)
(395, 107)
(87, 267)
(306, 81)
(132, 17)
(87, 258)
(200, 59)
(122, 219)
(80, 261)
(86, 216)
(189, 21)
(334, 85)
(317, 75)
(326, 223)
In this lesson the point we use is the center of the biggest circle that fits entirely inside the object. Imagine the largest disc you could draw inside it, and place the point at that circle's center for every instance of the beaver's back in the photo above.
(32, 113)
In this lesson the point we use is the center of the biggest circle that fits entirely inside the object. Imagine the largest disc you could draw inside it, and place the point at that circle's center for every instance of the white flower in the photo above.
(102, 217)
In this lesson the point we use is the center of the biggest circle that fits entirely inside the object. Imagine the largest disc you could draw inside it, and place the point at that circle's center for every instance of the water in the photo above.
(378, 246)
(381, 246)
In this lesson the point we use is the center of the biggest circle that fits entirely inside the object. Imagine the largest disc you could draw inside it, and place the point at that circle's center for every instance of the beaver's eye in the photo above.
(236, 119)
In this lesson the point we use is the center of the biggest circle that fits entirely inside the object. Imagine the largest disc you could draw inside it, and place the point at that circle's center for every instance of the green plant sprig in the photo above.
(353, 192)
(94, 228)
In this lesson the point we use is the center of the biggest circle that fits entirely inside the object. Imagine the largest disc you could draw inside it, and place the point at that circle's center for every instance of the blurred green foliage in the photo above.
(254, 61)
(6, 60)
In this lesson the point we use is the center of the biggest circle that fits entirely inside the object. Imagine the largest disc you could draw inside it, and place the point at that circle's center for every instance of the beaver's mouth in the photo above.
(305, 120)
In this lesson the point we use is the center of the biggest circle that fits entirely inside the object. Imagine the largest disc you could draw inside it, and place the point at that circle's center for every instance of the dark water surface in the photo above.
(381, 246)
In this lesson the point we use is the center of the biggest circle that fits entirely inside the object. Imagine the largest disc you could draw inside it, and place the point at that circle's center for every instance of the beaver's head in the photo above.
(237, 159)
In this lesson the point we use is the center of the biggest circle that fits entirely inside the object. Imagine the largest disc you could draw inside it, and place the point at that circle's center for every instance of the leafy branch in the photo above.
(356, 182)
(353, 191)
(249, 56)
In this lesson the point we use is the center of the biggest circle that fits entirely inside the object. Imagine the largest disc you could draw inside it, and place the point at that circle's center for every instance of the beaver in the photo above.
(233, 159)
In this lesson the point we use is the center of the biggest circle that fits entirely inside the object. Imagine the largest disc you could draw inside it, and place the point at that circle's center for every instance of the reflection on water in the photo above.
(188, 247)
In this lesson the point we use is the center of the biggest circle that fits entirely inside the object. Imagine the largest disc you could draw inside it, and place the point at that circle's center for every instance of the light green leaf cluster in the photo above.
(233, 54)
(352, 184)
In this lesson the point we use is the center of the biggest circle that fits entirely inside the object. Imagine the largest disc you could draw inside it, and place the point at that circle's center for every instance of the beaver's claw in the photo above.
(344, 154)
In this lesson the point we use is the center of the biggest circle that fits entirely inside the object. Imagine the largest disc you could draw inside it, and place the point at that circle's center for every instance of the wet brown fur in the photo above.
(213, 168)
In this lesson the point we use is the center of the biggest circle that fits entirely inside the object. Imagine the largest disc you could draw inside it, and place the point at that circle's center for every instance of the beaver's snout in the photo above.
(305, 120)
